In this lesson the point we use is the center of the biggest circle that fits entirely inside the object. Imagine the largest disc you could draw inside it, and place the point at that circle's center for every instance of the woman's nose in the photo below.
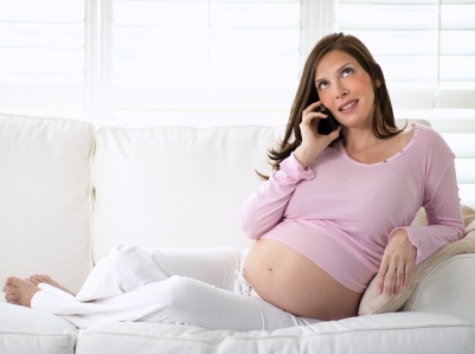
(340, 90)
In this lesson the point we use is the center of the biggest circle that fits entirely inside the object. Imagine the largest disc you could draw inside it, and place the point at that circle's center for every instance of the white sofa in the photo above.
(69, 192)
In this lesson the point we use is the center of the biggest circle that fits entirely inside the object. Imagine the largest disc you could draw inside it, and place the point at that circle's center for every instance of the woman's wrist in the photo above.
(302, 157)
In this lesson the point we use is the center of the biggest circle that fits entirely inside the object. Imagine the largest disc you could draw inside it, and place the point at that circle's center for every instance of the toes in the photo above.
(40, 278)
(12, 298)
(19, 291)
(11, 285)
(11, 294)
(34, 279)
(10, 281)
(46, 279)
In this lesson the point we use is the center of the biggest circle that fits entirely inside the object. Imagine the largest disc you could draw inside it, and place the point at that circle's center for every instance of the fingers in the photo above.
(311, 114)
(334, 134)
(400, 275)
(386, 281)
(394, 280)
(312, 143)
(313, 107)
(397, 264)
(311, 117)
(407, 275)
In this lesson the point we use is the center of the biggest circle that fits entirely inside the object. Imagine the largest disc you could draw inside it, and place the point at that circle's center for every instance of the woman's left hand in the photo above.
(397, 264)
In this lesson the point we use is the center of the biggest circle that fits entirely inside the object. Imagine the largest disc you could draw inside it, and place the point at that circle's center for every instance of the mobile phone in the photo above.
(326, 126)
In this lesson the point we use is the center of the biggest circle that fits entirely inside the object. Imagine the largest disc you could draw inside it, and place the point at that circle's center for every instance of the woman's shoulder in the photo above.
(428, 133)
(430, 140)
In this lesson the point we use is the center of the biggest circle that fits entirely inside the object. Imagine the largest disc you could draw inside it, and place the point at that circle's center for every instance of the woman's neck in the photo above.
(364, 146)
(360, 139)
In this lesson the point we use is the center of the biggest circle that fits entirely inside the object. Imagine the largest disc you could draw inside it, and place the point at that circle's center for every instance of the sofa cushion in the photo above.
(176, 186)
(447, 288)
(23, 330)
(45, 198)
(391, 333)
(373, 303)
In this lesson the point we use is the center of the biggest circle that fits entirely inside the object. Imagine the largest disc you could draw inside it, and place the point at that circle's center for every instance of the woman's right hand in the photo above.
(313, 143)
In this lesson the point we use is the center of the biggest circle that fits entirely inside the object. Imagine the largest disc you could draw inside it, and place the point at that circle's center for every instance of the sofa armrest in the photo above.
(447, 288)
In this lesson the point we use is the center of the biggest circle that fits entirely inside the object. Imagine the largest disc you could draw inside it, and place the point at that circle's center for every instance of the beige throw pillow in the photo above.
(374, 303)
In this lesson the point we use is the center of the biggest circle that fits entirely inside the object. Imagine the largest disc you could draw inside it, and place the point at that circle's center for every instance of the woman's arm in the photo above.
(442, 206)
(410, 245)
(265, 208)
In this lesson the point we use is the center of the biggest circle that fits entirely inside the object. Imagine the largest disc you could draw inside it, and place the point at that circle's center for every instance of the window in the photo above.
(216, 58)
(42, 56)
(220, 61)
(426, 47)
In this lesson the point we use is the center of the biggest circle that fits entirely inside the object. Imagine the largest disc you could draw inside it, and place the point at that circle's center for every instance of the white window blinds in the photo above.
(42, 56)
(183, 58)
(234, 61)
(133, 60)
(426, 47)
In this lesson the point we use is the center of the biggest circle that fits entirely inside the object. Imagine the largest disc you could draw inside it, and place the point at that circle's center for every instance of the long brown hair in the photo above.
(384, 125)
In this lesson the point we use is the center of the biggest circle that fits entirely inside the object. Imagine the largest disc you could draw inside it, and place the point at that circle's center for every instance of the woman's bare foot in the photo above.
(43, 278)
(19, 291)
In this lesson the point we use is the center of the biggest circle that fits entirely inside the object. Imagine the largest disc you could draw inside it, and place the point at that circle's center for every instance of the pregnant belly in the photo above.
(292, 282)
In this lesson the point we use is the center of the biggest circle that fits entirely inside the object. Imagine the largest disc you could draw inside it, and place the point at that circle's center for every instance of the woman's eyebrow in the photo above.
(337, 70)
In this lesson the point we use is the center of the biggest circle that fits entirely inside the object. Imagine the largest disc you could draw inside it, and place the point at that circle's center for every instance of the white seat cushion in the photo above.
(392, 333)
(25, 331)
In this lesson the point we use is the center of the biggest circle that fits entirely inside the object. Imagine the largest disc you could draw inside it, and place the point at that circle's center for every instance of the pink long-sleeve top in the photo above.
(341, 213)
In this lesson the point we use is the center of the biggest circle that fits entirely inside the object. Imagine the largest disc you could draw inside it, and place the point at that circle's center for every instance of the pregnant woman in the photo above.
(335, 212)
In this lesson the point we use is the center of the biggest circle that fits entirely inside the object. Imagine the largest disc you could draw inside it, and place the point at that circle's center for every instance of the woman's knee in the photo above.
(192, 302)
(125, 255)
(184, 298)
(124, 250)
(180, 289)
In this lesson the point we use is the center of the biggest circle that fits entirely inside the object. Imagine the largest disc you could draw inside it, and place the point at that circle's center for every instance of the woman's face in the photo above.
(345, 88)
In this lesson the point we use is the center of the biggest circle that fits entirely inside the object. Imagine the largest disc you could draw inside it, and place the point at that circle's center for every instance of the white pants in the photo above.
(202, 287)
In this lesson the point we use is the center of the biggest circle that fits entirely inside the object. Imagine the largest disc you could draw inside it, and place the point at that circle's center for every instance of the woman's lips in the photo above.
(348, 106)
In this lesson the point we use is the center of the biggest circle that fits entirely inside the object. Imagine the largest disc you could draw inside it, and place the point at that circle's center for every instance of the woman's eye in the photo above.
(346, 72)
(321, 85)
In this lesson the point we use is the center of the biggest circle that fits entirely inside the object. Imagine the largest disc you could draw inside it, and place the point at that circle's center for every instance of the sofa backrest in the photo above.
(45, 198)
(176, 186)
